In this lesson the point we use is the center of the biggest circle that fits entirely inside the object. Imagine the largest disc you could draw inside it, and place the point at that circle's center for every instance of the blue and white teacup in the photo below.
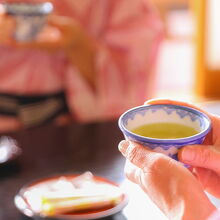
(167, 113)
(30, 18)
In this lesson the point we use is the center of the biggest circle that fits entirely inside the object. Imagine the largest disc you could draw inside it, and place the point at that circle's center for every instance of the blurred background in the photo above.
(79, 62)
(181, 36)
(188, 62)
(175, 67)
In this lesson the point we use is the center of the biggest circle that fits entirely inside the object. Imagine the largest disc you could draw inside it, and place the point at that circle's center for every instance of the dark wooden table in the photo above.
(53, 150)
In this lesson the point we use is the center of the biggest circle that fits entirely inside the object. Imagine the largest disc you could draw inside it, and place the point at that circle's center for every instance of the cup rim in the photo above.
(177, 141)
(28, 9)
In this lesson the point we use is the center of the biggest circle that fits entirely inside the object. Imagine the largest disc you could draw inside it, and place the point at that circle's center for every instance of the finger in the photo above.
(175, 102)
(159, 101)
(133, 152)
(132, 172)
(201, 156)
(142, 157)
(203, 175)
(209, 180)
(167, 101)
(61, 22)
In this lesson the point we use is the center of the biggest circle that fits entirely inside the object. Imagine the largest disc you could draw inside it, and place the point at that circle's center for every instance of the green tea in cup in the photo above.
(165, 130)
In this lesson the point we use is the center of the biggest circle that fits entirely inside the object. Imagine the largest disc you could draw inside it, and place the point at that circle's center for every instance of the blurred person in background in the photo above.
(93, 60)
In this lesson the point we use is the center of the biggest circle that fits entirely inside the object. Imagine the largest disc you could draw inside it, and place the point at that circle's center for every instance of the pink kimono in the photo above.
(128, 33)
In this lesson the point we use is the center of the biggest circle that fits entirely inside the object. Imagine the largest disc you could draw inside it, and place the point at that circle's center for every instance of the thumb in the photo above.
(205, 156)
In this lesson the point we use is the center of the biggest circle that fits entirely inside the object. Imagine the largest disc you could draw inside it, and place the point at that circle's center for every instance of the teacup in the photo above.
(30, 18)
(165, 114)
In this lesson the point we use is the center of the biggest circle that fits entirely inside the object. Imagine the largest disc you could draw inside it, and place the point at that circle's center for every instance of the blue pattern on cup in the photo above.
(174, 113)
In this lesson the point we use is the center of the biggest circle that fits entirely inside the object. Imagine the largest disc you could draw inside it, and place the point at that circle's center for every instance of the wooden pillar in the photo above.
(207, 80)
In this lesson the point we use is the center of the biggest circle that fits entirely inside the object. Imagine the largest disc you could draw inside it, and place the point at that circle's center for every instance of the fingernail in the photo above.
(123, 145)
(187, 154)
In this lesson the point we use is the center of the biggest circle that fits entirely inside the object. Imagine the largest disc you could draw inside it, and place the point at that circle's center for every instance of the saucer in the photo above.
(24, 206)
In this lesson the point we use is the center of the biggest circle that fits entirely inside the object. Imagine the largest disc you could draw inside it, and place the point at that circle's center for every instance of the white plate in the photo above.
(23, 206)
